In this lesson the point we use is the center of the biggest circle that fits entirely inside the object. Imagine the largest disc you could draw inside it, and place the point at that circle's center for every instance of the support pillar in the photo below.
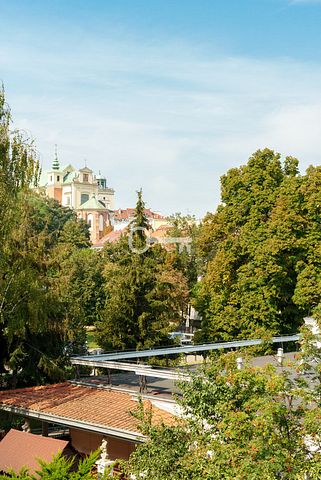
(44, 429)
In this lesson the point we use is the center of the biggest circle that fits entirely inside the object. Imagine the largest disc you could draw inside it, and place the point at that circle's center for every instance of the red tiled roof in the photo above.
(100, 406)
(110, 237)
(161, 232)
(20, 449)
(129, 213)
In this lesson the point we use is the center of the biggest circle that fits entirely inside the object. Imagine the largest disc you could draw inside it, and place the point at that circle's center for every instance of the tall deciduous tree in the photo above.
(184, 255)
(259, 251)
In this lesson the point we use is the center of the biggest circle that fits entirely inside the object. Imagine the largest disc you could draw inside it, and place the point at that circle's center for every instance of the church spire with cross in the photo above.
(55, 163)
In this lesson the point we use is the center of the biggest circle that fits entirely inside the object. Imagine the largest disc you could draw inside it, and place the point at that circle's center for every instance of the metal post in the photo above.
(239, 363)
(45, 429)
(280, 356)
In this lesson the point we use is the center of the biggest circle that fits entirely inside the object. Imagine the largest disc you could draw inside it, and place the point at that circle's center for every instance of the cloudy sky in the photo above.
(164, 94)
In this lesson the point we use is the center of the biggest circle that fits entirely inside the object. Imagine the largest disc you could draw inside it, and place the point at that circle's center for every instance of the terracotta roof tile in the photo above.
(19, 449)
(128, 213)
(110, 237)
(103, 407)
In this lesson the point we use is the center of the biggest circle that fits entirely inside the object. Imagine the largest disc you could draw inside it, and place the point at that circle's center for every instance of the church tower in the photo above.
(55, 179)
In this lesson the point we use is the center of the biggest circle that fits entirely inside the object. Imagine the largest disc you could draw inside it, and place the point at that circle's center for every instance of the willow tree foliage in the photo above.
(38, 325)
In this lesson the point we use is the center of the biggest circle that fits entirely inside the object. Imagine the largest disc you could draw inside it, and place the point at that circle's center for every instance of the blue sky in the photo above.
(162, 94)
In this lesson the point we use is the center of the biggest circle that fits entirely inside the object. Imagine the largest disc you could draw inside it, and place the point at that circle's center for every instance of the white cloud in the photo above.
(161, 117)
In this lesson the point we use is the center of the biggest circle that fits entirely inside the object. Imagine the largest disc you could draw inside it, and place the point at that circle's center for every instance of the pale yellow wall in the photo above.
(66, 192)
(158, 222)
(109, 198)
(76, 189)
(80, 188)
(54, 192)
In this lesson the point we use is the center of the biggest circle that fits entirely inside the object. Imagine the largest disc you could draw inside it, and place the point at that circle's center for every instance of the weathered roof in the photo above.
(87, 405)
(20, 449)
(92, 204)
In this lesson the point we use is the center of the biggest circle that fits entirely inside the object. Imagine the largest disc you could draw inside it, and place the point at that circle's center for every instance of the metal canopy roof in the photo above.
(138, 369)
(98, 360)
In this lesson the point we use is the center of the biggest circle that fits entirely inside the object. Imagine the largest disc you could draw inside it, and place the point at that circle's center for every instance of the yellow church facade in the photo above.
(82, 191)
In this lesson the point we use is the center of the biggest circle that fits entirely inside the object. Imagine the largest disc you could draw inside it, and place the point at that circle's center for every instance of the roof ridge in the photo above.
(35, 387)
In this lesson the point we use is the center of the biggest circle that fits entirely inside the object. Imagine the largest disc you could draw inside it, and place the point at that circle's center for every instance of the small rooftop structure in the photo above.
(21, 449)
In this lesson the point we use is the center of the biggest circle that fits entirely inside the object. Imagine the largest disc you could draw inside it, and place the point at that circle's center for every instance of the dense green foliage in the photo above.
(42, 320)
(260, 251)
(249, 424)
(185, 258)
(145, 294)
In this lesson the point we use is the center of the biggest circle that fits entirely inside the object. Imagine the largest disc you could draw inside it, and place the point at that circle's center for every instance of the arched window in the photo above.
(101, 222)
(90, 219)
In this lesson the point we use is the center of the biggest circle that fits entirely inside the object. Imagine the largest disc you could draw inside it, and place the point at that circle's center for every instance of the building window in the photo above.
(68, 200)
(84, 198)
(101, 223)
(51, 178)
(85, 177)
(58, 178)
(90, 220)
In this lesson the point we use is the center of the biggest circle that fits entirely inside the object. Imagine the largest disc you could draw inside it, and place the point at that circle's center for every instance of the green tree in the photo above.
(75, 234)
(37, 324)
(184, 259)
(145, 295)
(47, 215)
(259, 251)
(253, 423)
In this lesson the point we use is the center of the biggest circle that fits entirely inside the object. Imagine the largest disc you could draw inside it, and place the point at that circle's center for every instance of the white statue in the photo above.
(104, 464)
(103, 448)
